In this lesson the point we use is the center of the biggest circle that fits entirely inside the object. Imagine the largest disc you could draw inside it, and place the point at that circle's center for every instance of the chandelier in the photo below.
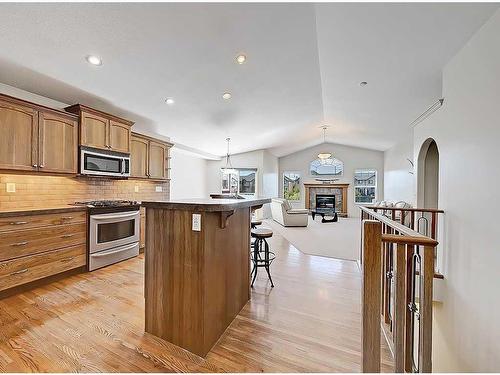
(325, 157)
(228, 169)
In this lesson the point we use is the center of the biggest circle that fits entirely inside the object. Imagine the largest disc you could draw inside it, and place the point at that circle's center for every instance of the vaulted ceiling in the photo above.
(304, 66)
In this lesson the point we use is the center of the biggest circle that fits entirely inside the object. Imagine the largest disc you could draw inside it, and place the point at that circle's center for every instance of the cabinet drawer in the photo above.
(24, 270)
(34, 221)
(33, 241)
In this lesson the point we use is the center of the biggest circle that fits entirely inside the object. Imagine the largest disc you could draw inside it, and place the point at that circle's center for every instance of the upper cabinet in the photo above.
(37, 138)
(149, 158)
(102, 130)
(58, 143)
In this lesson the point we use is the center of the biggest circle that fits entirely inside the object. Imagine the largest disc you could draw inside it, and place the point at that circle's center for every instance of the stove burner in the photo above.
(108, 203)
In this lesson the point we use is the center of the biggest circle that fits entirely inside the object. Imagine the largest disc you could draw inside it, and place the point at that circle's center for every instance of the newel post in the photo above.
(371, 295)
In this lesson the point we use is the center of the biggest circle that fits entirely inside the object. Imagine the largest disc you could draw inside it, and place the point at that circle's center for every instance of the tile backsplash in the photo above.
(46, 191)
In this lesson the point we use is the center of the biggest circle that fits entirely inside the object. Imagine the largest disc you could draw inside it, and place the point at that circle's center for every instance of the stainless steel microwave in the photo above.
(102, 163)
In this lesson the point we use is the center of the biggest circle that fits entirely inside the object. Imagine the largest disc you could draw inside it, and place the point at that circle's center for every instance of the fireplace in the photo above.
(339, 191)
(325, 201)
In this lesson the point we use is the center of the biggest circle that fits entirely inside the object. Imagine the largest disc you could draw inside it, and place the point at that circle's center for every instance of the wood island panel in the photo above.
(196, 283)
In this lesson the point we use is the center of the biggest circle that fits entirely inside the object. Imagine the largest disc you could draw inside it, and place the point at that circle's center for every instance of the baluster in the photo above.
(425, 302)
(410, 277)
(433, 225)
(371, 289)
(400, 307)
(412, 220)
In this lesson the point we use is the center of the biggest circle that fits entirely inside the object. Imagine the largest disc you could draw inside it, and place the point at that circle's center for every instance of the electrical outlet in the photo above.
(136, 188)
(197, 222)
(159, 189)
(11, 187)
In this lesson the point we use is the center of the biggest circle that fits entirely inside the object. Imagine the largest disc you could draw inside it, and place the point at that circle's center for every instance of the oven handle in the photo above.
(118, 216)
(109, 252)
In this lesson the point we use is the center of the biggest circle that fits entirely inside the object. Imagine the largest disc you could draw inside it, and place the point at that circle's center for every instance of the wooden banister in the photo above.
(371, 294)
(398, 272)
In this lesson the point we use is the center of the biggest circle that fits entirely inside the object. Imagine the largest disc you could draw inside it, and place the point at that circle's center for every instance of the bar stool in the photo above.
(255, 222)
(261, 256)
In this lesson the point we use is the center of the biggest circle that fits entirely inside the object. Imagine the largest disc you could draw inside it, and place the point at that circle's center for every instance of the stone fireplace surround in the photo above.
(339, 190)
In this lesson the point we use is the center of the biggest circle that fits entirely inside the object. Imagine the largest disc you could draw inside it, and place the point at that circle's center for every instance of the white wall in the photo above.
(467, 132)
(353, 158)
(267, 174)
(188, 175)
(399, 183)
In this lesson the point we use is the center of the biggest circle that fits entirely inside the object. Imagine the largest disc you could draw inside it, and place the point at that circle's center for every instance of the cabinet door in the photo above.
(157, 160)
(94, 131)
(119, 136)
(139, 157)
(18, 137)
(58, 143)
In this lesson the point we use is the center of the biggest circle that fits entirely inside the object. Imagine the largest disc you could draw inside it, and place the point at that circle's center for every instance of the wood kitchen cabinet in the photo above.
(18, 135)
(37, 138)
(102, 130)
(149, 157)
(57, 143)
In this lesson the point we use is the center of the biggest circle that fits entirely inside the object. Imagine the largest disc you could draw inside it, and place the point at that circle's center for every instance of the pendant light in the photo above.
(324, 157)
(228, 169)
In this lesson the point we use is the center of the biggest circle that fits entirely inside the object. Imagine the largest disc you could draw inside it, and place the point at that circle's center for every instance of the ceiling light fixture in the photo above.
(169, 101)
(324, 156)
(228, 169)
(241, 59)
(94, 60)
(226, 96)
(363, 83)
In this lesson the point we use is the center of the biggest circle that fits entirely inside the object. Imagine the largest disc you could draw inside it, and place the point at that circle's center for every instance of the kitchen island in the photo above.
(197, 268)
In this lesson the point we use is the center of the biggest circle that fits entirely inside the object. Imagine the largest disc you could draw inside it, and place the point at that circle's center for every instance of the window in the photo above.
(241, 181)
(365, 185)
(328, 167)
(291, 186)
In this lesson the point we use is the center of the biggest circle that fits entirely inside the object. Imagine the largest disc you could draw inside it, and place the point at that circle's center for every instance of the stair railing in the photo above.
(396, 293)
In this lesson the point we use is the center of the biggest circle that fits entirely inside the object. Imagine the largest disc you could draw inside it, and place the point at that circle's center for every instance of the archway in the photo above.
(428, 175)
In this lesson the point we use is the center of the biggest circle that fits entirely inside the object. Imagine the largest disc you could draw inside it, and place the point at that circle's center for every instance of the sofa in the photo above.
(283, 213)
(386, 204)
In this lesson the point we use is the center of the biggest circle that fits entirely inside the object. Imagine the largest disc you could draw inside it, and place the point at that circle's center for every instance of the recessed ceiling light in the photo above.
(169, 101)
(226, 96)
(94, 60)
(240, 59)
(363, 83)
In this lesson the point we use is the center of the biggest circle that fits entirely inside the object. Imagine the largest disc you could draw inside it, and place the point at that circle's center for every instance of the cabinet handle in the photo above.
(24, 243)
(67, 218)
(42, 165)
(18, 222)
(67, 235)
(19, 272)
(35, 165)
(67, 259)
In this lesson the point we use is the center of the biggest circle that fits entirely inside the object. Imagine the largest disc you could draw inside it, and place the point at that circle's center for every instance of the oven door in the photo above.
(113, 229)
(94, 163)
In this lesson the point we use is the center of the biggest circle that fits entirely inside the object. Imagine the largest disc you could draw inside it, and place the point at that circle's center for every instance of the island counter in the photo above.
(197, 268)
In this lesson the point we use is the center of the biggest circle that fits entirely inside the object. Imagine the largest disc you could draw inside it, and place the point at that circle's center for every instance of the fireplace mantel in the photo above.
(342, 187)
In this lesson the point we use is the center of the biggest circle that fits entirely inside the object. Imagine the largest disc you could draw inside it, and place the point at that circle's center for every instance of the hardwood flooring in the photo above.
(94, 322)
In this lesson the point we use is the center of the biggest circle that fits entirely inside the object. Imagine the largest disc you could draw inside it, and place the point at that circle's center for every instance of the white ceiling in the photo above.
(305, 62)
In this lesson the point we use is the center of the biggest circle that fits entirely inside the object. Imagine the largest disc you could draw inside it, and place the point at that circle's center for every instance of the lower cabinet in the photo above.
(37, 246)
(23, 270)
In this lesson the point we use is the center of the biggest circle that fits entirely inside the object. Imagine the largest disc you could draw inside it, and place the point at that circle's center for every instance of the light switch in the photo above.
(136, 188)
(197, 222)
(11, 187)
(159, 189)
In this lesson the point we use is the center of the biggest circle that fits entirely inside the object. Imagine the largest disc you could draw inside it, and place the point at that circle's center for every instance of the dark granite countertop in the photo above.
(39, 210)
(208, 204)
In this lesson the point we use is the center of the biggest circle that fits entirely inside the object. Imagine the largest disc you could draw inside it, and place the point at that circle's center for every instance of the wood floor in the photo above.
(94, 322)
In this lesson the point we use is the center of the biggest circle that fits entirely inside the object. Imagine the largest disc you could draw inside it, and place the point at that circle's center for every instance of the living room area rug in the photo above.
(334, 240)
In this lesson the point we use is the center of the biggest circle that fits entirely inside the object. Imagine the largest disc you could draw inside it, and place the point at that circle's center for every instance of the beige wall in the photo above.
(46, 191)
(353, 158)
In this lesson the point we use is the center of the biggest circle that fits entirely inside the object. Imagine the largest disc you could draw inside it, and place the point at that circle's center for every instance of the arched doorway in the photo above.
(428, 175)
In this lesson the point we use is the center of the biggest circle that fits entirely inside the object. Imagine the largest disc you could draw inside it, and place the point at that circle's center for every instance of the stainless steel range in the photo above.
(113, 231)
